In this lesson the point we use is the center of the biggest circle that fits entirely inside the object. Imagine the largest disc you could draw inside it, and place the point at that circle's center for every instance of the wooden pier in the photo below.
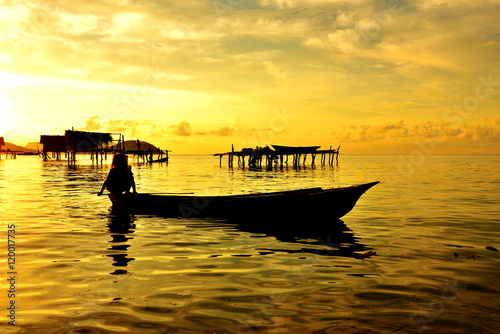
(13, 154)
(280, 155)
(10, 154)
(98, 145)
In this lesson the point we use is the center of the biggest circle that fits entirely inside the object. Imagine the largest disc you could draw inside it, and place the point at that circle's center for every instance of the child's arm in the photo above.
(103, 187)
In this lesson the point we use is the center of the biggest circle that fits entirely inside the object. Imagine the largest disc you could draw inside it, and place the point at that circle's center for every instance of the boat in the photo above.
(285, 150)
(329, 203)
(159, 160)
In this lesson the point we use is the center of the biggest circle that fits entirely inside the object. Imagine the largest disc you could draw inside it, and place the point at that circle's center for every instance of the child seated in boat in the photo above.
(120, 178)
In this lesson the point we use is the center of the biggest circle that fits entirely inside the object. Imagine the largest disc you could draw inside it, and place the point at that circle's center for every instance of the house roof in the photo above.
(54, 143)
(83, 141)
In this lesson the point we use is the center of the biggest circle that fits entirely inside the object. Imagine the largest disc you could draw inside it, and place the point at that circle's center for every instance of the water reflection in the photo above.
(121, 226)
(319, 235)
(329, 238)
(325, 237)
(63, 180)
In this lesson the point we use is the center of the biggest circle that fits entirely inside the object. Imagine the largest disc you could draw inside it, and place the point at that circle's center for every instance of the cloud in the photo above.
(128, 128)
(92, 124)
(223, 131)
(484, 131)
(300, 3)
(182, 129)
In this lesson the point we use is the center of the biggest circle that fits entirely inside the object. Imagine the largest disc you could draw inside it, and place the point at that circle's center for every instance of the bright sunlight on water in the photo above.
(81, 267)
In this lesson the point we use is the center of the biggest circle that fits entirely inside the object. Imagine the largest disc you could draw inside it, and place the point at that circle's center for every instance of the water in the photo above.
(82, 268)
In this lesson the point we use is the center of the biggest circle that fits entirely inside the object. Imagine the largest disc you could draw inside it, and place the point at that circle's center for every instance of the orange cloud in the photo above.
(92, 124)
(182, 129)
(485, 131)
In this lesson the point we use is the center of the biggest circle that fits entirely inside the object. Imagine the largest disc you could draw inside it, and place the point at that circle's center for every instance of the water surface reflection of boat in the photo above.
(327, 239)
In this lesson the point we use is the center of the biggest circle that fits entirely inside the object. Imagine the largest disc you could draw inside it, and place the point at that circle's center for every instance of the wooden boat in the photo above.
(159, 160)
(284, 150)
(329, 203)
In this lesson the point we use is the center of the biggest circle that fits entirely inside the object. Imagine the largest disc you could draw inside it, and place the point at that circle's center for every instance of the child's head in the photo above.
(119, 161)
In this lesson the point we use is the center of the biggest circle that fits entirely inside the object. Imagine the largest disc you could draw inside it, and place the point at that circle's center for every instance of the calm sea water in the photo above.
(82, 268)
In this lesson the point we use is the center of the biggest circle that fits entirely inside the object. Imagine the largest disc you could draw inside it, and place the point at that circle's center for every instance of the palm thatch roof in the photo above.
(54, 143)
(83, 141)
(2, 142)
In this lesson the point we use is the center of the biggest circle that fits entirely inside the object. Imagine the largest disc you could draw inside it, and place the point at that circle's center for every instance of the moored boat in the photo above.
(294, 149)
(330, 203)
(159, 160)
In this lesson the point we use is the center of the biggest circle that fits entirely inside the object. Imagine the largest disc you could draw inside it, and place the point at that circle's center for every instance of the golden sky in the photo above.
(196, 76)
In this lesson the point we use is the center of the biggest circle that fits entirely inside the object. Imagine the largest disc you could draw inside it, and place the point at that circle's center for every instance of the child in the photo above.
(120, 177)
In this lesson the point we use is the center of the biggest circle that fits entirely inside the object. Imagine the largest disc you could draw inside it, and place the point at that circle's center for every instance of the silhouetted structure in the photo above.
(54, 144)
(278, 153)
(79, 142)
(97, 144)
(13, 154)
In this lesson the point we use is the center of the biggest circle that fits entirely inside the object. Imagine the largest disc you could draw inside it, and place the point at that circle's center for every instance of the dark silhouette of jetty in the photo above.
(98, 145)
(12, 151)
(2, 143)
(281, 154)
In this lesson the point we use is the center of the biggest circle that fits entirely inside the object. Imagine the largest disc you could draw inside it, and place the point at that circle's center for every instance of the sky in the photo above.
(197, 76)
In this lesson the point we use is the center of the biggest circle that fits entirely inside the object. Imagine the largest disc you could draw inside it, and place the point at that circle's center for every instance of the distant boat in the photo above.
(159, 160)
(312, 202)
(295, 149)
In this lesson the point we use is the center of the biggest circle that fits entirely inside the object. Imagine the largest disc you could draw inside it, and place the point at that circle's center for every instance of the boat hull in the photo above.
(289, 150)
(331, 203)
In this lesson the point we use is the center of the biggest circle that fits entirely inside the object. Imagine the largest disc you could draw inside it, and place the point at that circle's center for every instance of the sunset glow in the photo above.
(198, 76)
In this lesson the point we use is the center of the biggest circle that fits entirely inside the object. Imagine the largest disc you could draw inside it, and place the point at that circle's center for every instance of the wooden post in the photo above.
(231, 156)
